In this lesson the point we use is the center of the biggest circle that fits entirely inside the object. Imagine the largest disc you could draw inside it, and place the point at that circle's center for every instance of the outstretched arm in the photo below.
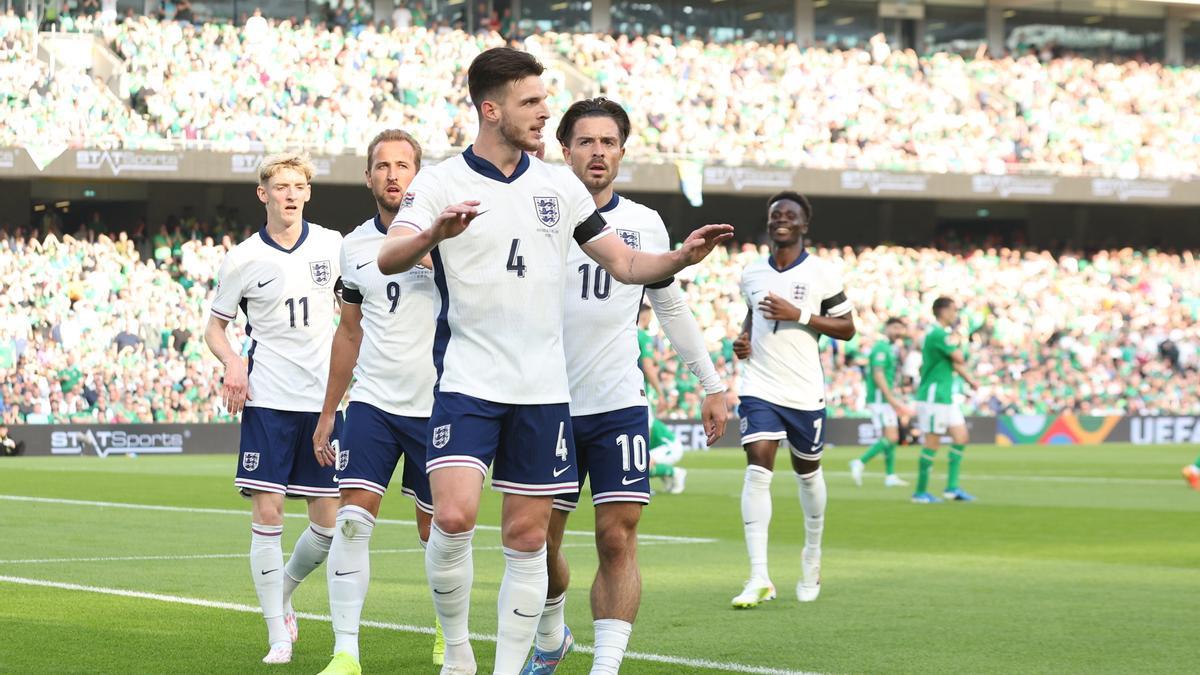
(630, 266)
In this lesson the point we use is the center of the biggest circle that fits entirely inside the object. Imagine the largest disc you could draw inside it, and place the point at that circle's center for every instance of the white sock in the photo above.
(550, 626)
(312, 548)
(450, 570)
(266, 568)
(812, 500)
(348, 573)
(756, 518)
(612, 637)
(522, 593)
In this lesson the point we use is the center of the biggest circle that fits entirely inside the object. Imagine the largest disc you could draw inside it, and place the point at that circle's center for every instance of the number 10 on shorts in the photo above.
(637, 449)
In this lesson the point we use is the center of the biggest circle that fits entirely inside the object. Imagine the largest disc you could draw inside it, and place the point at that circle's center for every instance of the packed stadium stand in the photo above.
(229, 86)
(107, 328)
(1098, 332)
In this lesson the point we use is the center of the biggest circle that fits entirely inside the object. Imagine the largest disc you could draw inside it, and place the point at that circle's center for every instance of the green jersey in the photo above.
(660, 434)
(937, 367)
(881, 360)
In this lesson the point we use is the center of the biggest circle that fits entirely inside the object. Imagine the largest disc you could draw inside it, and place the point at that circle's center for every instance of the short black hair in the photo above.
(895, 320)
(593, 107)
(496, 68)
(800, 199)
(941, 303)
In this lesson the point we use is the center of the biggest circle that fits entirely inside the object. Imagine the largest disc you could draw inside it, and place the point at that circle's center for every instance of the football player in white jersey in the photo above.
(609, 413)
(384, 341)
(282, 278)
(794, 298)
(499, 224)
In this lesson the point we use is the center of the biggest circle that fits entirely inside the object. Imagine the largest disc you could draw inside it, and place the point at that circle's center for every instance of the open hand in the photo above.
(701, 242)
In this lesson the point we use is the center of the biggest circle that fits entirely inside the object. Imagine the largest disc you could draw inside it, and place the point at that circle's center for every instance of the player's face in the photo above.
(595, 151)
(950, 314)
(523, 113)
(786, 224)
(392, 168)
(897, 332)
(285, 195)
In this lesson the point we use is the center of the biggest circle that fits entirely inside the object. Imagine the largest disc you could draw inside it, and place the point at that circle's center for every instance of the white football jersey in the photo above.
(499, 330)
(785, 362)
(395, 362)
(600, 329)
(288, 298)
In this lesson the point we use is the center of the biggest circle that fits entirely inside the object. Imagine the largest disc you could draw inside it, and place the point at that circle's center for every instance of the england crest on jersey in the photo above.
(799, 292)
(632, 238)
(320, 271)
(547, 210)
(441, 436)
(249, 461)
(343, 460)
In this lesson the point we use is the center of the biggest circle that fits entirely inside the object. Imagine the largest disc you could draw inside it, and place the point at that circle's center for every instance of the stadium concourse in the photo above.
(105, 328)
(288, 84)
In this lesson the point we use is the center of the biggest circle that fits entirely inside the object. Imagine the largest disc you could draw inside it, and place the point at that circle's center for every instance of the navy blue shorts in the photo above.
(276, 454)
(763, 421)
(531, 445)
(374, 441)
(612, 449)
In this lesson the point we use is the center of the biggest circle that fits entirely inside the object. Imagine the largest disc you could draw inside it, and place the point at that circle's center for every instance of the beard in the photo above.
(389, 201)
(518, 137)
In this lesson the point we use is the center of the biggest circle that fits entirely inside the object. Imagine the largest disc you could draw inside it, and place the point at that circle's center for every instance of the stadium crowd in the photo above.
(330, 86)
(107, 327)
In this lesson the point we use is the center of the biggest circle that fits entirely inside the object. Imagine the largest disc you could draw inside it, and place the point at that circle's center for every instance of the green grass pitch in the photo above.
(1074, 559)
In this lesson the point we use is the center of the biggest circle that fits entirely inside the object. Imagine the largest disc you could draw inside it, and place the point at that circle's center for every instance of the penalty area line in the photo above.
(236, 512)
(398, 627)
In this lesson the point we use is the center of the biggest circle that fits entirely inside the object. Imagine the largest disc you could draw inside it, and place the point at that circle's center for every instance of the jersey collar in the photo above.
(379, 225)
(612, 203)
(273, 244)
(799, 259)
(488, 170)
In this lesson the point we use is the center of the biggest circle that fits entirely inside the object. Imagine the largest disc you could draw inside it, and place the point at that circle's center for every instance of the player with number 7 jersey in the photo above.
(793, 299)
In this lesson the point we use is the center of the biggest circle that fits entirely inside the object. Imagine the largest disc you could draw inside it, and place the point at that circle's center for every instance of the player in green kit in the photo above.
(943, 357)
(884, 403)
(665, 453)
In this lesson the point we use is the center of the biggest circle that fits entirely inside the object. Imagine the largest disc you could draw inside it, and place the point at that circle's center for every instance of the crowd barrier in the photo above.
(103, 440)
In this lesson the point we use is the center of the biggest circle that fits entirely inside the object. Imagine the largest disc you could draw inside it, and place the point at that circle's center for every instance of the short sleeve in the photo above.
(833, 300)
(942, 343)
(658, 241)
(229, 288)
(351, 293)
(421, 204)
(588, 224)
(879, 358)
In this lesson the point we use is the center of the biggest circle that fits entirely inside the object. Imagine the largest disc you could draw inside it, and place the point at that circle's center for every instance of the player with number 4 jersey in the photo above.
(794, 298)
(498, 224)
(609, 414)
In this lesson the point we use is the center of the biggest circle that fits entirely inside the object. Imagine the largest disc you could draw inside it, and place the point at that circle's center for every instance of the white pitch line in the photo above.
(1085, 480)
(403, 628)
(236, 512)
(218, 556)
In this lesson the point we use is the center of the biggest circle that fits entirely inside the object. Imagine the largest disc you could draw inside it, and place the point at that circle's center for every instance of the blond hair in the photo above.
(393, 135)
(273, 164)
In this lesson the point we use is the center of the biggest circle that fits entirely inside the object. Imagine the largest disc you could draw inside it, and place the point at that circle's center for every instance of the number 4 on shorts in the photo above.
(560, 448)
